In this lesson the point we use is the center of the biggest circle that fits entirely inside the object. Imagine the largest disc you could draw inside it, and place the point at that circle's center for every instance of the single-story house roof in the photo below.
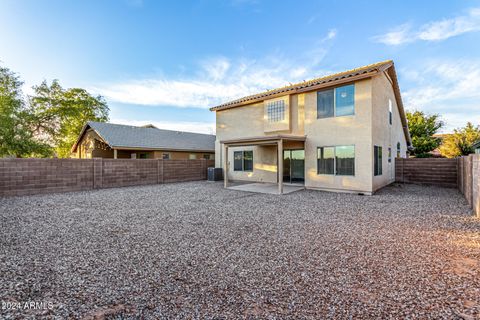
(119, 136)
(476, 145)
(326, 81)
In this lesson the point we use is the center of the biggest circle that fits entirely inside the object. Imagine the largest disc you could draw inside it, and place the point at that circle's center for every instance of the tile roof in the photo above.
(303, 86)
(149, 137)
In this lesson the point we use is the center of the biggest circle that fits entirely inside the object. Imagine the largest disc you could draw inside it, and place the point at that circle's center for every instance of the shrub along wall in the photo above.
(33, 176)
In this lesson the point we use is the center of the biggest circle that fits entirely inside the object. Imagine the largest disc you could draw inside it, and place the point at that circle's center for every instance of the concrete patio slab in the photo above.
(270, 188)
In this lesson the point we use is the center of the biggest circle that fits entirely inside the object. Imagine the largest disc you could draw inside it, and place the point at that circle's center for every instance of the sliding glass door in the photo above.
(293, 166)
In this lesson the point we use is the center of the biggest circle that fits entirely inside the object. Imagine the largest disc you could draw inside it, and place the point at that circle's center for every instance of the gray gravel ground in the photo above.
(195, 250)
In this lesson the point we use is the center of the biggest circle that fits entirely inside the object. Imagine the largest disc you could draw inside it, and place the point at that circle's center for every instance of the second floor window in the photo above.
(276, 111)
(390, 115)
(336, 102)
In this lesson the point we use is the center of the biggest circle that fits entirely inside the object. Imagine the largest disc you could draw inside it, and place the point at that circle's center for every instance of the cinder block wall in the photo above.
(34, 176)
(469, 180)
(432, 171)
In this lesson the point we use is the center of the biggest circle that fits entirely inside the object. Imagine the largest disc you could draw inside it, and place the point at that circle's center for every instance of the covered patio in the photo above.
(280, 141)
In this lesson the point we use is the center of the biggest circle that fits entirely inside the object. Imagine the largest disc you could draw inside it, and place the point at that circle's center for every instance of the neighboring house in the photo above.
(476, 147)
(108, 140)
(340, 132)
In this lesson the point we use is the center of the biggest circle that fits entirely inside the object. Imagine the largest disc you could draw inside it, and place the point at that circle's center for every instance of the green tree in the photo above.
(460, 142)
(422, 128)
(61, 113)
(16, 138)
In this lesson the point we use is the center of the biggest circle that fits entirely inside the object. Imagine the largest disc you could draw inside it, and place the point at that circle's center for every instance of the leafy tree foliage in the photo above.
(49, 123)
(422, 128)
(460, 142)
(61, 113)
(16, 138)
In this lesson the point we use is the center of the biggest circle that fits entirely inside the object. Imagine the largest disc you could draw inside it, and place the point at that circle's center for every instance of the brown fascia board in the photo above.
(159, 149)
(265, 138)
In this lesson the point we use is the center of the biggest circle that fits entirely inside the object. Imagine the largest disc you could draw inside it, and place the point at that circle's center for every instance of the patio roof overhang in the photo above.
(277, 140)
(264, 140)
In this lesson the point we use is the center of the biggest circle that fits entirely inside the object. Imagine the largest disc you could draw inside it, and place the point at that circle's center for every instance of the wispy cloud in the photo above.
(332, 33)
(450, 88)
(220, 79)
(432, 31)
(198, 127)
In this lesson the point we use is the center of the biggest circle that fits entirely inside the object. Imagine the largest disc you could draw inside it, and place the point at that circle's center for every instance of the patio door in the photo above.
(294, 166)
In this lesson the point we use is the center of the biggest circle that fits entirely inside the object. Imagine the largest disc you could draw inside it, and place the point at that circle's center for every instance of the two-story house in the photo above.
(339, 133)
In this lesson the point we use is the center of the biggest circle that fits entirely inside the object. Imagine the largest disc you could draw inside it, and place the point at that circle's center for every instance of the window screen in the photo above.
(247, 160)
(345, 160)
(238, 161)
(325, 103)
(325, 160)
(377, 154)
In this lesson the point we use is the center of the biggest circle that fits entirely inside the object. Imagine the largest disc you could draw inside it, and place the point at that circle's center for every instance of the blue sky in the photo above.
(167, 62)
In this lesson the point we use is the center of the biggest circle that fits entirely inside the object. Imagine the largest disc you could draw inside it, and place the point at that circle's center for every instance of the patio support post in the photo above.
(225, 166)
(280, 166)
(114, 153)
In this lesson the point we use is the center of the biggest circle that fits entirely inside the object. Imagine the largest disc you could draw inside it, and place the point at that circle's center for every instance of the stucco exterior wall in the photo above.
(341, 131)
(369, 126)
(264, 164)
(384, 134)
(249, 121)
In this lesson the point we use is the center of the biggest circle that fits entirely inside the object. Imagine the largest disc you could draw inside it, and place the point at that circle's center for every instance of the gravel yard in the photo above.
(196, 250)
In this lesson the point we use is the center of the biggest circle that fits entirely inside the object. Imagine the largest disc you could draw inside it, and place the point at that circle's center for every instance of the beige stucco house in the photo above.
(339, 133)
(118, 141)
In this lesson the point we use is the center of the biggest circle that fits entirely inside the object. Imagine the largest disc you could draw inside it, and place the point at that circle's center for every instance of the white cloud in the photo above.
(450, 88)
(198, 127)
(397, 36)
(433, 31)
(219, 80)
(332, 33)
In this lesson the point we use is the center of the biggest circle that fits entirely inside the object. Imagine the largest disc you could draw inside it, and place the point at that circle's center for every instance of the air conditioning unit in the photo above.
(215, 174)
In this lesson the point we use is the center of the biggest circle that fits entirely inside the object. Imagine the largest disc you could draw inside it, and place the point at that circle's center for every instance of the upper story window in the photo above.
(336, 102)
(390, 111)
(276, 111)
